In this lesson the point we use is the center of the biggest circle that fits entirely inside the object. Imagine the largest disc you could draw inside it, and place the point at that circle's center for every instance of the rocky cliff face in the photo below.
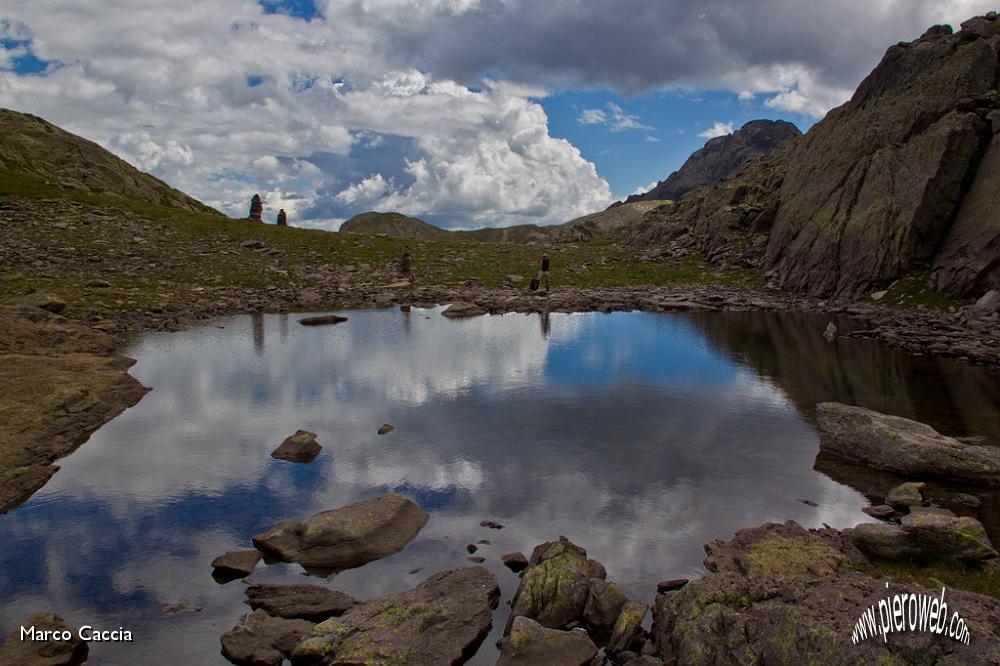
(720, 157)
(31, 145)
(902, 175)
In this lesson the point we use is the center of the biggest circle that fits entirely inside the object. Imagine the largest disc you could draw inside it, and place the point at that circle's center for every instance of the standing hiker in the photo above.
(543, 274)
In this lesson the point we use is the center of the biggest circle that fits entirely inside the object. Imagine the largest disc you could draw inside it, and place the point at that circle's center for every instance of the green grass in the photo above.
(916, 289)
(934, 574)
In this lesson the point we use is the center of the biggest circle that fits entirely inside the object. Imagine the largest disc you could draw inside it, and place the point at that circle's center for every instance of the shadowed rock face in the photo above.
(720, 157)
(531, 644)
(15, 652)
(900, 175)
(441, 621)
(347, 537)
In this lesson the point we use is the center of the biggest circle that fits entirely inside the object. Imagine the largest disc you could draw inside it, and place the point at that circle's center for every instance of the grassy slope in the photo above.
(180, 251)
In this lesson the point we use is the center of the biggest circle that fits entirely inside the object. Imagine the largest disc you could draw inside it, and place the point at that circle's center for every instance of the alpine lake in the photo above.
(638, 436)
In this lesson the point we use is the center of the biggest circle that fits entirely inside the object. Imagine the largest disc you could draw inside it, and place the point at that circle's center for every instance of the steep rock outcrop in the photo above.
(720, 157)
(899, 177)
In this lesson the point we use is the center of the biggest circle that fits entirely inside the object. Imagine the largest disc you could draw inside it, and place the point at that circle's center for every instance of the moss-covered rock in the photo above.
(531, 644)
(439, 622)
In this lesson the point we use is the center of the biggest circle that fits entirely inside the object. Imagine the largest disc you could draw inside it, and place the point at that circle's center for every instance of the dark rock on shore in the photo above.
(906, 495)
(442, 621)
(302, 602)
(531, 644)
(347, 537)
(671, 585)
(236, 563)
(15, 652)
(903, 446)
(262, 640)
(881, 511)
(301, 447)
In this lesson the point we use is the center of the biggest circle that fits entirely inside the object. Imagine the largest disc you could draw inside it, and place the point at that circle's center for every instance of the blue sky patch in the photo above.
(303, 9)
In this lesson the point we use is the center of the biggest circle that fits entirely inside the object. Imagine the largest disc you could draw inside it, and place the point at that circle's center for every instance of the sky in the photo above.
(465, 113)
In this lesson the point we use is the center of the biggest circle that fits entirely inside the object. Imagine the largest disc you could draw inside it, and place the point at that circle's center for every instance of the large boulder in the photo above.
(627, 627)
(531, 644)
(906, 495)
(902, 446)
(262, 640)
(302, 602)
(347, 537)
(236, 563)
(555, 587)
(442, 621)
(47, 652)
(459, 309)
(781, 594)
(605, 601)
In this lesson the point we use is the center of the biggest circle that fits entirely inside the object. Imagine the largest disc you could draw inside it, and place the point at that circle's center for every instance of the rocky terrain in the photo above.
(893, 183)
(720, 157)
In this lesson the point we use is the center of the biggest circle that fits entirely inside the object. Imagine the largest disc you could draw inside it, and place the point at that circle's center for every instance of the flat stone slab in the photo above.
(461, 309)
(325, 320)
(299, 602)
(347, 537)
(236, 563)
(437, 623)
(902, 446)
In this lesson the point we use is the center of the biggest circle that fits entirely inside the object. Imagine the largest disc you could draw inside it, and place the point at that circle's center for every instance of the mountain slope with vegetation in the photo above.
(34, 146)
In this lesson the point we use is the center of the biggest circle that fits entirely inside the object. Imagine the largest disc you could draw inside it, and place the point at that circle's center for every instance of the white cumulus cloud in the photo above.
(717, 130)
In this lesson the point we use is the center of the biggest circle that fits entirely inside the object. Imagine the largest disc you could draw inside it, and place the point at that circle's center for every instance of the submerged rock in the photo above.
(236, 563)
(899, 445)
(460, 309)
(17, 652)
(303, 602)
(439, 622)
(531, 644)
(262, 640)
(301, 447)
(347, 537)
(928, 534)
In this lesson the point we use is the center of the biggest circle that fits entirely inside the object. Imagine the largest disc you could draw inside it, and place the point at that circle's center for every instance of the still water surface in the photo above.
(638, 436)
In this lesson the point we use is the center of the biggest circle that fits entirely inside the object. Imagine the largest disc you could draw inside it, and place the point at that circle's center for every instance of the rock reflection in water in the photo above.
(638, 436)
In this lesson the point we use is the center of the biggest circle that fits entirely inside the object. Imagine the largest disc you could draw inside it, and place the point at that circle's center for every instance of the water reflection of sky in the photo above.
(631, 434)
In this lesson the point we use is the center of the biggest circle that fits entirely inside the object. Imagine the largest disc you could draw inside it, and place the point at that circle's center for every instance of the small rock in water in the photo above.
(181, 607)
(385, 429)
(882, 511)
(476, 559)
(808, 502)
(831, 332)
(492, 524)
(471, 548)
(484, 542)
(460, 309)
(404, 308)
(262, 639)
(516, 562)
(236, 563)
(325, 320)
(300, 447)
(665, 586)
(303, 602)
(905, 495)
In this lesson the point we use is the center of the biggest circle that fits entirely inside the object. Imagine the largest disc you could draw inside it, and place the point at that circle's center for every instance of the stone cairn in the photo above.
(256, 208)
(404, 262)
(282, 218)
